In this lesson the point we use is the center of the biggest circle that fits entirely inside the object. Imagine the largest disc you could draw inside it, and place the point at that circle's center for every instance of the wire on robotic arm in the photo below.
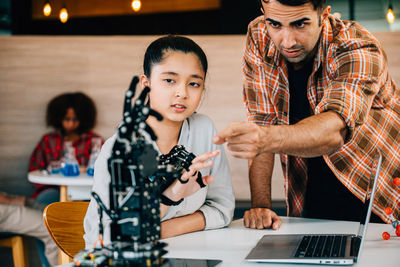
(102, 206)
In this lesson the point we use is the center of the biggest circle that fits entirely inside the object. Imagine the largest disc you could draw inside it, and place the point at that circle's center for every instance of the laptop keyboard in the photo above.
(322, 246)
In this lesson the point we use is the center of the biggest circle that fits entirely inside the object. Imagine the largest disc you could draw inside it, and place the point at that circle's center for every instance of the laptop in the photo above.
(332, 249)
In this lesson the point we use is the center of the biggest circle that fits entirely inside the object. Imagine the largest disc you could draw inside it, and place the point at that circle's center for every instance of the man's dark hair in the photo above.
(318, 4)
(84, 107)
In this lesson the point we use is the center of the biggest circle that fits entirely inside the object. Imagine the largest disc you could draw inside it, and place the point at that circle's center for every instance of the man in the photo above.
(24, 216)
(318, 92)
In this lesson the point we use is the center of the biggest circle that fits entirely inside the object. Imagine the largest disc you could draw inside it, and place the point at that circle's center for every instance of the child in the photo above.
(73, 116)
(175, 69)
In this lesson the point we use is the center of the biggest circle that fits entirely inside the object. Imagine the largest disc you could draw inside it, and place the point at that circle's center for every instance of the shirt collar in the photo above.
(325, 39)
(272, 51)
(182, 140)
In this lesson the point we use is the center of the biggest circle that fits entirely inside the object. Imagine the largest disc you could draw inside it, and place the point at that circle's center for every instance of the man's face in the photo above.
(295, 30)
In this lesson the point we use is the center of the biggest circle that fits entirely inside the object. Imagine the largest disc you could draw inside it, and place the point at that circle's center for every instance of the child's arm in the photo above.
(177, 191)
(182, 225)
(197, 220)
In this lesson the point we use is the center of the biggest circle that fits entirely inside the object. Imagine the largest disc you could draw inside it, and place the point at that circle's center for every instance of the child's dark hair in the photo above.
(84, 107)
(156, 50)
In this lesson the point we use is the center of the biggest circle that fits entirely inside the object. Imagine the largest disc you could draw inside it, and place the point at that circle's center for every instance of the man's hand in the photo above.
(260, 218)
(245, 139)
(313, 136)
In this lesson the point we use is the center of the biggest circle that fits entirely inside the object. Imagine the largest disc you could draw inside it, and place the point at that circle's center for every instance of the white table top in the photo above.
(232, 244)
(58, 179)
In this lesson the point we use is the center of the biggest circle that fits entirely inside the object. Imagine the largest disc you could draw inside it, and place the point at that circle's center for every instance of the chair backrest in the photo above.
(64, 221)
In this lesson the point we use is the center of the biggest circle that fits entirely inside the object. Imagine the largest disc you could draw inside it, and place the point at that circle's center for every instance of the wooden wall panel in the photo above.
(90, 8)
(34, 69)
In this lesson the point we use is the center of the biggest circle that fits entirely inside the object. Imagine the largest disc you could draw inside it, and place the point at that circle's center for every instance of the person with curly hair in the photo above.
(73, 116)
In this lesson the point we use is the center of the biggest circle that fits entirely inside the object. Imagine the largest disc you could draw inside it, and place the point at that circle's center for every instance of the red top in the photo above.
(50, 148)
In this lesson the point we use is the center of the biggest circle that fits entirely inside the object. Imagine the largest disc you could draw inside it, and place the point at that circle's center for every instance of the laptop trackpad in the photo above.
(275, 247)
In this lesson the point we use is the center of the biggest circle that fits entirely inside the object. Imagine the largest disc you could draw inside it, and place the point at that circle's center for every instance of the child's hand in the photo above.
(177, 190)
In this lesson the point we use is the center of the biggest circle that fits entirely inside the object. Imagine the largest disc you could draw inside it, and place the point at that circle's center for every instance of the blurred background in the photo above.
(149, 17)
(49, 47)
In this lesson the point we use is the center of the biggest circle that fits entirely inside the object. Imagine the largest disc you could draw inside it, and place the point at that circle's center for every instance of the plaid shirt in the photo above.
(350, 76)
(50, 148)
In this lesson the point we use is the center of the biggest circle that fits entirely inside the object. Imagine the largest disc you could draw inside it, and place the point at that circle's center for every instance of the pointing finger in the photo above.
(206, 156)
(200, 165)
(235, 129)
(220, 137)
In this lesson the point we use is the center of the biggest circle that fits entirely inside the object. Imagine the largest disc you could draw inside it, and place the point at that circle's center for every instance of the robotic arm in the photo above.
(138, 177)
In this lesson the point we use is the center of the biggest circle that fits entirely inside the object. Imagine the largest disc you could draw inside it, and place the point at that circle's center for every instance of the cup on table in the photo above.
(55, 167)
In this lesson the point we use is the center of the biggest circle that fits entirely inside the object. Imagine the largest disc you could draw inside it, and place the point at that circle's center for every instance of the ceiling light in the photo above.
(136, 5)
(47, 8)
(63, 15)
(390, 17)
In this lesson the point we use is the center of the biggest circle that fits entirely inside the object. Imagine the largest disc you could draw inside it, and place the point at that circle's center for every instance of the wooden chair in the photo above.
(64, 221)
(19, 249)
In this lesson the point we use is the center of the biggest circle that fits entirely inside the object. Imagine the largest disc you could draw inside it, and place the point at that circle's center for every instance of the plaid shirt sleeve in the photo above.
(38, 158)
(355, 81)
(359, 88)
(259, 108)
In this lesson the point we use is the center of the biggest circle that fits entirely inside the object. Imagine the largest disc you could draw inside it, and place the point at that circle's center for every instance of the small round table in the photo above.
(77, 187)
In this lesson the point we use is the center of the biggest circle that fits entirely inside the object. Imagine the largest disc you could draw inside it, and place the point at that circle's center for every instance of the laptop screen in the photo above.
(369, 197)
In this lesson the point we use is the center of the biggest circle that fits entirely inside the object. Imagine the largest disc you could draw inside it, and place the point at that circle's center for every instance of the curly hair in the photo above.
(83, 106)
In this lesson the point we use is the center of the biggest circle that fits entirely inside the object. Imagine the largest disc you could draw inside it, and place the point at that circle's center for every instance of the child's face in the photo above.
(177, 85)
(70, 122)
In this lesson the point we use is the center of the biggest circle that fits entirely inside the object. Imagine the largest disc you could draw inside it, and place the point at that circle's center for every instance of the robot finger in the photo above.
(130, 93)
(143, 94)
(150, 132)
(154, 113)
